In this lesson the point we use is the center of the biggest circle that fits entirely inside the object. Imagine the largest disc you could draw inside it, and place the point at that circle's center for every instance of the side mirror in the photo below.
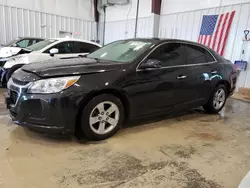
(53, 51)
(14, 45)
(151, 63)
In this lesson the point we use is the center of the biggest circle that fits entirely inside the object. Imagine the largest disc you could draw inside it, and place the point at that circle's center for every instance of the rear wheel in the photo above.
(102, 117)
(217, 100)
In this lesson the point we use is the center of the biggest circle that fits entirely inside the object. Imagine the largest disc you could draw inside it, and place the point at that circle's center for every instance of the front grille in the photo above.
(13, 97)
(19, 82)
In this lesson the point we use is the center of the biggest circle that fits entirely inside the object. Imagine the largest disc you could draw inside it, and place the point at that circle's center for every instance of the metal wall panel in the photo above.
(186, 25)
(18, 22)
(123, 29)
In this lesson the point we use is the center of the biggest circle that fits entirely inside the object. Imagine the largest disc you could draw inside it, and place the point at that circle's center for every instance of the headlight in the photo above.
(52, 85)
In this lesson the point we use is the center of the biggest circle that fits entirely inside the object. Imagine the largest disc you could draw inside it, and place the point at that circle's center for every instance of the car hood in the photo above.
(70, 66)
(11, 51)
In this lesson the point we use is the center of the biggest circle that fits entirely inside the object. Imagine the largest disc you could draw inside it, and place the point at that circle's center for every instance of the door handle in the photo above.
(181, 77)
(214, 72)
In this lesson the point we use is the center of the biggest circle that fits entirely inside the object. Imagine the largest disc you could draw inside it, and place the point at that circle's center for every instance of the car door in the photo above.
(161, 88)
(65, 49)
(198, 72)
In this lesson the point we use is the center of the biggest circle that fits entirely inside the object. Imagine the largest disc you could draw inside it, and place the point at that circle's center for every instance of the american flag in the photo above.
(214, 31)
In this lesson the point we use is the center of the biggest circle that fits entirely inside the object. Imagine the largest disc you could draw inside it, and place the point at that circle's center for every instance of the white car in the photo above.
(15, 47)
(48, 49)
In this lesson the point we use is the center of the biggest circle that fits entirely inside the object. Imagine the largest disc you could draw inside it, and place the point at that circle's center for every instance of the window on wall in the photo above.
(196, 55)
(170, 54)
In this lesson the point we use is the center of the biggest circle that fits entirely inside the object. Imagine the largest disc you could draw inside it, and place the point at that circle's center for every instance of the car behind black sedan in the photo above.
(124, 80)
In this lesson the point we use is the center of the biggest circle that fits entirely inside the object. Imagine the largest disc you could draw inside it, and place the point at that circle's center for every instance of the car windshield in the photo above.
(41, 45)
(121, 51)
(11, 42)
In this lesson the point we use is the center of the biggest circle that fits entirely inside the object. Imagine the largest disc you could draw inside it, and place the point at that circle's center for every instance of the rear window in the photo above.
(197, 55)
(82, 47)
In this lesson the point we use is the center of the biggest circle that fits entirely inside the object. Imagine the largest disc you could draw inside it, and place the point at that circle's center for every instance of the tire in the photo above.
(11, 71)
(216, 102)
(97, 110)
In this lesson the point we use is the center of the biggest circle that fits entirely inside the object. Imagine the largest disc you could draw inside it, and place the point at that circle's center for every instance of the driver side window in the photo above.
(170, 54)
(63, 48)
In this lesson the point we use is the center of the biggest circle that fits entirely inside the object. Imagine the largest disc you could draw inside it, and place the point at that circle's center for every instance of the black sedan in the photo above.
(124, 80)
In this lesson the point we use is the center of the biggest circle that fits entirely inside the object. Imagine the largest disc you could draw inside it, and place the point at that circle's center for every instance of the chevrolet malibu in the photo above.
(126, 79)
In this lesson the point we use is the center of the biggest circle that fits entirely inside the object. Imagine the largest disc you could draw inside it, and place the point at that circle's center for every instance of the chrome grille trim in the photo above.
(17, 88)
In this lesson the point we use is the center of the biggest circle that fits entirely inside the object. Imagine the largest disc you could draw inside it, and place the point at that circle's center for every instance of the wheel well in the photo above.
(226, 84)
(17, 66)
(89, 97)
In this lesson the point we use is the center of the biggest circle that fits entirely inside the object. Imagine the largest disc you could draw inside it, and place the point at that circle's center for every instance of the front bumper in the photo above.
(44, 113)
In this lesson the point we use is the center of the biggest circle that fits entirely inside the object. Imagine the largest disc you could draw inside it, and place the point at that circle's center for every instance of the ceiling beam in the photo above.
(156, 6)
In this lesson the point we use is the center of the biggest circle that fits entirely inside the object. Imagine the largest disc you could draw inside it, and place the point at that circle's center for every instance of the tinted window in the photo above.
(196, 54)
(170, 54)
(65, 48)
(81, 47)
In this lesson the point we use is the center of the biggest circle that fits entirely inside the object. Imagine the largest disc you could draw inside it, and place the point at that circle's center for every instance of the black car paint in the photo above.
(143, 92)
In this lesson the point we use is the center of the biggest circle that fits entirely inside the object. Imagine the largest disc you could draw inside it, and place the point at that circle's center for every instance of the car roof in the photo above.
(30, 38)
(77, 40)
(162, 40)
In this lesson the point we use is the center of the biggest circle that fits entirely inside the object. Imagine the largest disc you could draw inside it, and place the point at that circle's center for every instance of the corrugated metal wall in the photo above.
(186, 25)
(23, 22)
(123, 29)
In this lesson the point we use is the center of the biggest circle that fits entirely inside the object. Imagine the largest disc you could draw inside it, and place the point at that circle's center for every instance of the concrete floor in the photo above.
(195, 150)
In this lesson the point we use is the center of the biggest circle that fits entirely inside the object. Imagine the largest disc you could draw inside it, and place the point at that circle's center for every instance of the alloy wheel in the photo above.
(219, 99)
(104, 117)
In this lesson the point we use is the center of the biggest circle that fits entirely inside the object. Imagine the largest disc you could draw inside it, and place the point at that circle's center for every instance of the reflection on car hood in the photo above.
(70, 66)
(11, 51)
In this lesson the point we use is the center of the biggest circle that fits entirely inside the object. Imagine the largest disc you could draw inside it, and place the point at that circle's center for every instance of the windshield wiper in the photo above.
(95, 58)
(82, 55)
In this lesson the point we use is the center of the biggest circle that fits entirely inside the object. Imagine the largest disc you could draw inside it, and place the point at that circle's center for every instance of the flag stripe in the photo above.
(226, 22)
(217, 30)
(205, 40)
(202, 38)
(199, 40)
(228, 28)
(209, 41)
(222, 31)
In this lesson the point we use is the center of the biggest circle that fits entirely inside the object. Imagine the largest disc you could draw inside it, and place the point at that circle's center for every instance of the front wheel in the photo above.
(102, 117)
(217, 100)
